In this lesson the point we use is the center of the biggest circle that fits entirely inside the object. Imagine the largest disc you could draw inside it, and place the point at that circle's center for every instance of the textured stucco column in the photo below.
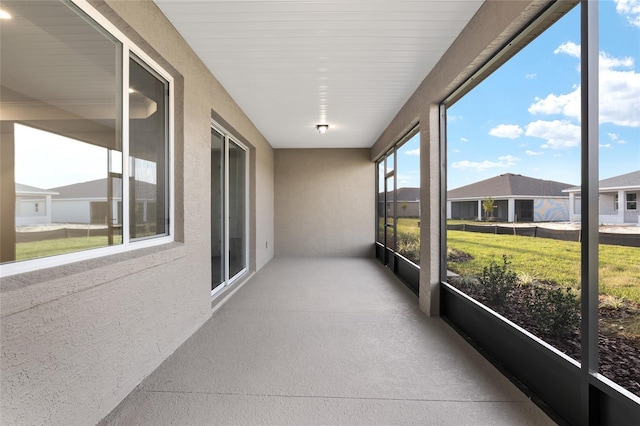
(430, 212)
(622, 205)
(47, 206)
(511, 211)
(572, 203)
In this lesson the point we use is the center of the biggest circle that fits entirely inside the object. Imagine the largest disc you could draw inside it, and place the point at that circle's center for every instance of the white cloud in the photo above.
(607, 62)
(631, 8)
(619, 92)
(509, 160)
(531, 76)
(570, 48)
(529, 152)
(473, 165)
(605, 145)
(503, 162)
(619, 95)
(567, 105)
(456, 151)
(509, 131)
(557, 133)
(413, 152)
(411, 178)
(613, 137)
(464, 140)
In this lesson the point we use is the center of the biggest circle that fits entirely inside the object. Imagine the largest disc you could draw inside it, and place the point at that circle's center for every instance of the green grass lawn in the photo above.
(44, 248)
(408, 225)
(549, 260)
(541, 259)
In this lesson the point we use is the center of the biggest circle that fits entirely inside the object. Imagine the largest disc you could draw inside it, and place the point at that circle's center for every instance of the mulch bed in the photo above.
(619, 352)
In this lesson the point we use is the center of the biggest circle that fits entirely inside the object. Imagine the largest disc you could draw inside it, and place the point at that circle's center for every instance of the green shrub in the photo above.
(555, 310)
(496, 281)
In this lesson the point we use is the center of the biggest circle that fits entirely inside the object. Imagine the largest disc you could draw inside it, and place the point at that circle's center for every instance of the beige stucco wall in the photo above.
(324, 202)
(77, 339)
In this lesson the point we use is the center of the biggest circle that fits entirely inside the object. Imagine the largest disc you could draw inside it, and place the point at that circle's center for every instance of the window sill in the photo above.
(24, 291)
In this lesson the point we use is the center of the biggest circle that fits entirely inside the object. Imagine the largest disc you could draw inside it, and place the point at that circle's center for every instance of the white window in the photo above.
(89, 124)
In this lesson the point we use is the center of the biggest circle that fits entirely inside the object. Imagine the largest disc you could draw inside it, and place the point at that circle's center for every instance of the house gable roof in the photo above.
(98, 189)
(22, 189)
(406, 194)
(510, 184)
(626, 180)
(90, 189)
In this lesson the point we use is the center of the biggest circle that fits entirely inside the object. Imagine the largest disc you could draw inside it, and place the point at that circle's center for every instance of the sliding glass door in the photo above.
(217, 210)
(228, 210)
(237, 209)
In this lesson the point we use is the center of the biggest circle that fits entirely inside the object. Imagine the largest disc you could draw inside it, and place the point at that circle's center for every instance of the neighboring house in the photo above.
(33, 205)
(87, 202)
(408, 202)
(517, 199)
(619, 196)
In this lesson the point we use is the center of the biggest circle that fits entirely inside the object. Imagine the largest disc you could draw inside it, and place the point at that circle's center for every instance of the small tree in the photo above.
(488, 204)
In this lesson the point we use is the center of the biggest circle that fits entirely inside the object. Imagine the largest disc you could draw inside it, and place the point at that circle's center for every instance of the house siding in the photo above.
(26, 212)
(550, 210)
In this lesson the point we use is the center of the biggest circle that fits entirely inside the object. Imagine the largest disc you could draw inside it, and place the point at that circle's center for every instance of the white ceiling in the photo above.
(291, 64)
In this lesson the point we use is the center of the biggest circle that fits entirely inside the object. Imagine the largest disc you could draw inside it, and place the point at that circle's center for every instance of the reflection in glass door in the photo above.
(228, 210)
(217, 210)
(390, 209)
(390, 221)
(380, 228)
(237, 209)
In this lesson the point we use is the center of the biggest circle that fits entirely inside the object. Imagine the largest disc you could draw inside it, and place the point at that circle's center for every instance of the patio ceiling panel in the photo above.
(293, 64)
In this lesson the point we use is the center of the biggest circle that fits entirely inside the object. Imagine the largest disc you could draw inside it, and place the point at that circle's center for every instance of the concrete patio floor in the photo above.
(325, 341)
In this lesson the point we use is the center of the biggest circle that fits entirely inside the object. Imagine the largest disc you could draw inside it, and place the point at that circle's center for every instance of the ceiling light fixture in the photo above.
(4, 14)
(322, 128)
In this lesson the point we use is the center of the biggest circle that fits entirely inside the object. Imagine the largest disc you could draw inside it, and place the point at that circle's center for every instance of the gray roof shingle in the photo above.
(98, 189)
(510, 184)
(407, 194)
(27, 189)
(620, 181)
(627, 179)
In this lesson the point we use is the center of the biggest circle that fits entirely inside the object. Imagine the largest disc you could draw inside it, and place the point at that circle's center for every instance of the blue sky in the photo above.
(524, 118)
